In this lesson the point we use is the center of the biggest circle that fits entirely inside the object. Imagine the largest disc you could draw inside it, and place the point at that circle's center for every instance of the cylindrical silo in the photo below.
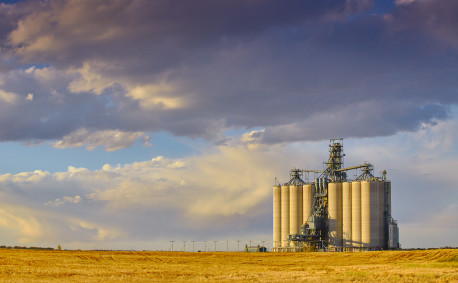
(307, 202)
(295, 209)
(365, 214)
(284, 216)
(356, 214)
(380, 213)
(335, 214)
(388, 197)
(346, 214)
(370, 234)
(386, 213)
(276, 217)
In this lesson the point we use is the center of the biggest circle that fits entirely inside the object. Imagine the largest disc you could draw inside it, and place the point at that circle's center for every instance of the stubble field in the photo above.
(109, 266)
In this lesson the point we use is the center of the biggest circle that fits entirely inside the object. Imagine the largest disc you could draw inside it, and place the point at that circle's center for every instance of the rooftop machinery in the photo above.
(332, 213)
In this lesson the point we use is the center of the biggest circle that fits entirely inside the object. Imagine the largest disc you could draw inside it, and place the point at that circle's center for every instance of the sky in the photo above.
(129, 124)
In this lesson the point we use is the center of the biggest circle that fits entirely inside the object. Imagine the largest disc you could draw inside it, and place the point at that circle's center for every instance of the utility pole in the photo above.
(215, 245)
(227, 246)
(172, 244)
(184, 246)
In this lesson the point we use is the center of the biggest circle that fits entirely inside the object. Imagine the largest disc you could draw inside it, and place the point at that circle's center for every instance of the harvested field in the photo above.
(114, 266)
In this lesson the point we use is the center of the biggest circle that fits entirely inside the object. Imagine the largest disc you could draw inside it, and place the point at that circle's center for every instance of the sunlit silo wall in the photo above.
(285, 219)
(295, 209)
(307, 201)
(356, 213)
(276, 217)
(372, 214)
(346, 215)
(380, 213)
(335, 214)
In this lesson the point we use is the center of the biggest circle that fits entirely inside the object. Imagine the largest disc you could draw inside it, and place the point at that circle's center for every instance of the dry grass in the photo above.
(96, 266)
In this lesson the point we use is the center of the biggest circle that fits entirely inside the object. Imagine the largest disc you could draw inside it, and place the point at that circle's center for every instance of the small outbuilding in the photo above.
(255, 249)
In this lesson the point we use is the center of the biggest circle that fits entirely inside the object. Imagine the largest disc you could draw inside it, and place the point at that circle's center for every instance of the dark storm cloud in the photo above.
(82, 30)
(303, 70)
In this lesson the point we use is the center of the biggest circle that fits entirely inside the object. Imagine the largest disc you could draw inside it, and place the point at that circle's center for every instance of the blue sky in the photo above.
(126, 123)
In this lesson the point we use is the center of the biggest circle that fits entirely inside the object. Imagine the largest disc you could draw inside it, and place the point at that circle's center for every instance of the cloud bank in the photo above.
(298, 69)
(223, 194)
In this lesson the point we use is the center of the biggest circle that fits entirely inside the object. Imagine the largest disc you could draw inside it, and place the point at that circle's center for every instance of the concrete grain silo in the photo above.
(331, 212)
(346, 215)
(276, 218)
(307, 201)
(335, 214)
(380, 213)
(295, 209)
(367, 228)
(284, 216)
(356, 214)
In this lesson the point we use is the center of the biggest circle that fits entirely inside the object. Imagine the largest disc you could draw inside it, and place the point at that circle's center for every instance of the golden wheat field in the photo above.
(113, 266)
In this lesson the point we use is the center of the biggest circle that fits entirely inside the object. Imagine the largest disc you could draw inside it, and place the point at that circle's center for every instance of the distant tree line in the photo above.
(421, 249)
(26, 248)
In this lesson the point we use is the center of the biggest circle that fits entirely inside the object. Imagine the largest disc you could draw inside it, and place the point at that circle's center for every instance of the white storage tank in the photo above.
(284, 215)
(307, 201)
(393, 235)
(387, 212)
(346, 214)
(371, 212)
(335, 214)
(295, 212)
(276, 217)
(356, 213)
(365, 214)
(380, 213)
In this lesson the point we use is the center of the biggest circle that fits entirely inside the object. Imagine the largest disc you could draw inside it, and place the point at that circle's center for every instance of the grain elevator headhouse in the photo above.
(325, 210)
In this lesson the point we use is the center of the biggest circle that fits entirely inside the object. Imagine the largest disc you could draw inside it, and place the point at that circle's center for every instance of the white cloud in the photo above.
(205, 190)
(63, 200)
(404, 2)
(253, 139)
(29, 97)
(23, 222)
(90, 79)
(8, 97)
(99, 232)
(111, 140)
(161, 95)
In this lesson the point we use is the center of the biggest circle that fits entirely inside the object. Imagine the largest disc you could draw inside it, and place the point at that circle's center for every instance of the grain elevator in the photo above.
(324, 210)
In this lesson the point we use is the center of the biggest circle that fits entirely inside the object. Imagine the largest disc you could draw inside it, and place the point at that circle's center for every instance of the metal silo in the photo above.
(393, 235)
(388, 197)
(370, 233)
(386, 213)
(276, 217)
(346, 214)
(380, 213)
(284, 216)
(307, 202)
(295, 209)
(335, 214)
(356, 214)
(365, 214)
